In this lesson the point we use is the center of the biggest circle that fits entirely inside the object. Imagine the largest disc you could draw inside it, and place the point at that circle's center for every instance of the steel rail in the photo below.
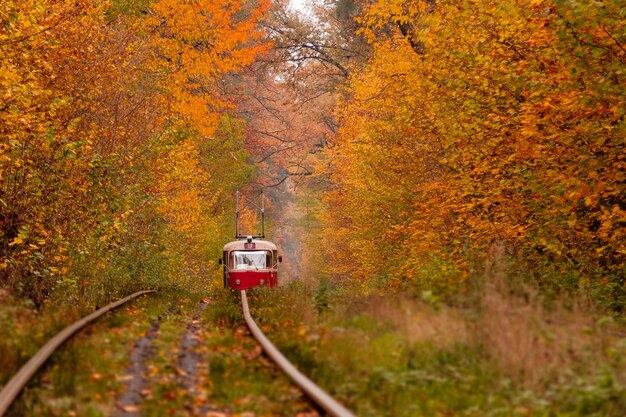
(13, 388)
(328, 403)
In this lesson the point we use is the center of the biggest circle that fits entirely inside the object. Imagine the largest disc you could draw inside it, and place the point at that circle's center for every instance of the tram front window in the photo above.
(251, 259)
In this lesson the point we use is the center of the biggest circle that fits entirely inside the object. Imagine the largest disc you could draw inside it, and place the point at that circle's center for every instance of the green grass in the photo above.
(84, 376)
(165, 391)
(377, 369)
(240, 377)
(360, 349)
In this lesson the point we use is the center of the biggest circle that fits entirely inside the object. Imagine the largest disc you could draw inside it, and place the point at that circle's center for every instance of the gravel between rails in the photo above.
(191, 364)
(135, 380)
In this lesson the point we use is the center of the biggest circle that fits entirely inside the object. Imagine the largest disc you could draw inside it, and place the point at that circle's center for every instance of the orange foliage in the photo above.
(484, 121)
(102, 115)
(197, 42)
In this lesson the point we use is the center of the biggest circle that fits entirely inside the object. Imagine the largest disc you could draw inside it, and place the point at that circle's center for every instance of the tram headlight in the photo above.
(237, 282)
(262, 281)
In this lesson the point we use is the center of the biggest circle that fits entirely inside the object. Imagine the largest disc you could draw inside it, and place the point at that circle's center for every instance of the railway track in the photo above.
(13, 388)
(16, 384)
(321, 398)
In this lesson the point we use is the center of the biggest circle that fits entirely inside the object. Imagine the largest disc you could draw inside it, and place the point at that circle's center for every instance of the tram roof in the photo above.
(259, 245)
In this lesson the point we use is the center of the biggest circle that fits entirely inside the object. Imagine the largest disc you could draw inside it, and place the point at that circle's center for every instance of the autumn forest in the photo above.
(445, 179)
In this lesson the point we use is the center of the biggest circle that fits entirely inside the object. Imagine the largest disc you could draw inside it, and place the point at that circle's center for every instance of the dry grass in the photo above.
(528, 341)
(417, 321)
(24, 330)
(16, 325)
(531, 342)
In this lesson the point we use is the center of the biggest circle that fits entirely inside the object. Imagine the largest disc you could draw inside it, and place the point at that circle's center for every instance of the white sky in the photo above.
(299, 5)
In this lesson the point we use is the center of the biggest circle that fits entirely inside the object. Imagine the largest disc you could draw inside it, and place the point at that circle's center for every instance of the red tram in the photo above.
(250, 261)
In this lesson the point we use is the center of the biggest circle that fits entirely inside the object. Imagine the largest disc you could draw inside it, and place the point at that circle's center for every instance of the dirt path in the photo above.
(191, 365)
(135, 381)
(188, 366)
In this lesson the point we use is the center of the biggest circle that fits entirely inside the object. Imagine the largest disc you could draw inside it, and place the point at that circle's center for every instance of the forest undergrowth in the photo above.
(499, 348)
